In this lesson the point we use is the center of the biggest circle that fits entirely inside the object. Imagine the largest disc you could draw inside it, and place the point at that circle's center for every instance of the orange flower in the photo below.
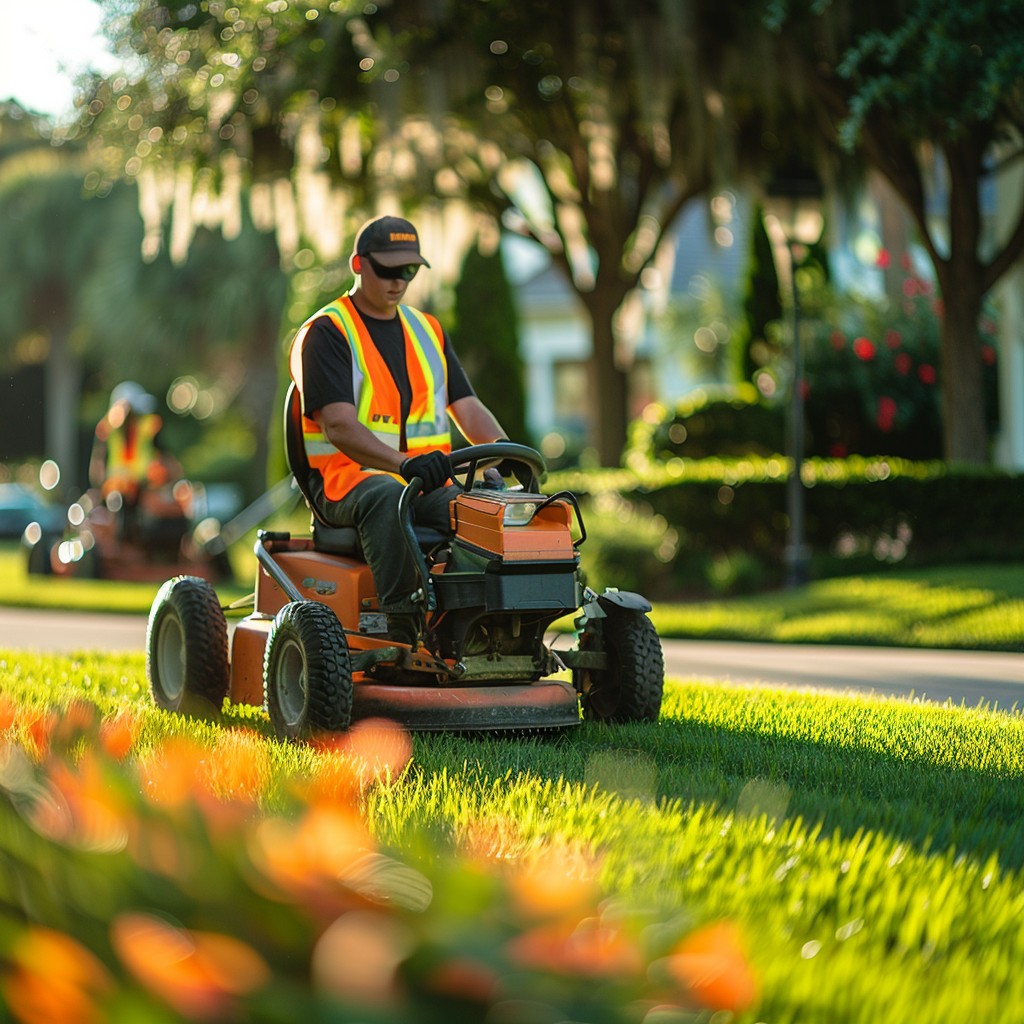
(54, 980)
(334, 781)
(310, 859)
(711, 964)
(557, 881)
(9, 712)
(170, 774)
(39, 730)
(83, 810)
(198, 974)
(379, 749)
(588, 949)
(118, 734)
(80, 717)
(238, 766)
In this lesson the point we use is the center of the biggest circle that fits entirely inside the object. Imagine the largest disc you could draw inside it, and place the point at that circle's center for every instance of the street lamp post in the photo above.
(794, 221)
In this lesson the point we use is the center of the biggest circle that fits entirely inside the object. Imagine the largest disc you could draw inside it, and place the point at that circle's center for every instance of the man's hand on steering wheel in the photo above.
(433, 468)
(515, 469)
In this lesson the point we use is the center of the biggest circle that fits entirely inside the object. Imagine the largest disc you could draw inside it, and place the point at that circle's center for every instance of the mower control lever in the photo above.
(425, 594)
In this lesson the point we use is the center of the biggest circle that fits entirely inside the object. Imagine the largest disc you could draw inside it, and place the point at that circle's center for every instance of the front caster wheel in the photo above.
(307, 674)
(630, 688)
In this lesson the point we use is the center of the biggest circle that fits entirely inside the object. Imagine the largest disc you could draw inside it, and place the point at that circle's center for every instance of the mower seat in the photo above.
(336, 540)
(331, 540)
(344, 540)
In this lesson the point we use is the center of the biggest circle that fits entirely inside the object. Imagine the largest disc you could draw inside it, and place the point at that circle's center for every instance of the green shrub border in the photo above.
(857, 509)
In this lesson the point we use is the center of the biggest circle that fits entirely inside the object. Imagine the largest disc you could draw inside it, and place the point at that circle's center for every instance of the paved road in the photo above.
(961, 676)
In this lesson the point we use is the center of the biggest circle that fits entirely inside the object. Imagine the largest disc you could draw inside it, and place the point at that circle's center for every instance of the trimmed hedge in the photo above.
(724, 521)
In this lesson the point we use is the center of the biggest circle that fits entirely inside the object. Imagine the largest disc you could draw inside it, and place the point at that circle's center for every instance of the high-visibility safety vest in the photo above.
(377, 399)
(131, 452)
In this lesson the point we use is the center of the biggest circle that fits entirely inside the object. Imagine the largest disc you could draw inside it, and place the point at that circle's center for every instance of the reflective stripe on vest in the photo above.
(378, 403)
(131, 460)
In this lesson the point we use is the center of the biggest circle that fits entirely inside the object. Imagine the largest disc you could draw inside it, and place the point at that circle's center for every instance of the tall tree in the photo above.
(609, 116)
(50, 238)
(932, 95)
(486, 336)
(586, 125)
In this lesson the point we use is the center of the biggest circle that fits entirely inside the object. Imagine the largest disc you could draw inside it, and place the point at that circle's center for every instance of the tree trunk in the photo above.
(63, 377)
(609, 383)
(965, 438)
(260, 401)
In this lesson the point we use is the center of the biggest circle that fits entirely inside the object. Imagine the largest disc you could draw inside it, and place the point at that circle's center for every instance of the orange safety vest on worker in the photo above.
(132, 457)
(378, 403)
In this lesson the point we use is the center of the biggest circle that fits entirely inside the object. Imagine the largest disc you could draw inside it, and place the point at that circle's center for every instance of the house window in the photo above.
(572, 399)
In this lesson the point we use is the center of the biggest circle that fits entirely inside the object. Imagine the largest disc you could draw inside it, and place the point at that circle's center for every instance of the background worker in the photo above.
(378, 381)
(128, 464)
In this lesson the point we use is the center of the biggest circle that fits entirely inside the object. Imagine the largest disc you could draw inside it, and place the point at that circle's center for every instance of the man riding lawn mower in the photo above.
(314, 651)
(416, 597)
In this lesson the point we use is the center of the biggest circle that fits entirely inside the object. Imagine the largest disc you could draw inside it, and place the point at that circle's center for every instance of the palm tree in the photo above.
(51, 236)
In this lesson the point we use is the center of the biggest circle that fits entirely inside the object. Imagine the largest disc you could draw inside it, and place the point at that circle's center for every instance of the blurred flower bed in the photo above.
(871, 386)
(186, 878)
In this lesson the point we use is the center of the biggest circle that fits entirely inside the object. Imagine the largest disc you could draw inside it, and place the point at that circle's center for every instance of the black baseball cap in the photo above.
(391, 241)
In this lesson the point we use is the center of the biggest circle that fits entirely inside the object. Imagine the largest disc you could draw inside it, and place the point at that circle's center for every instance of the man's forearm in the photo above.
(355, 441)
(476, 421)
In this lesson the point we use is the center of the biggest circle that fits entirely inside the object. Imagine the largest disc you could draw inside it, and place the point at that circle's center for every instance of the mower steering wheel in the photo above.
(482, 456)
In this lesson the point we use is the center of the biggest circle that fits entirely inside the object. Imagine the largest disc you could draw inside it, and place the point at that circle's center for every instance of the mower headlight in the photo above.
(519, 513)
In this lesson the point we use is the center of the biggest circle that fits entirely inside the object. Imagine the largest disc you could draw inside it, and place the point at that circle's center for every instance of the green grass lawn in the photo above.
(867, 854)
(969, 606)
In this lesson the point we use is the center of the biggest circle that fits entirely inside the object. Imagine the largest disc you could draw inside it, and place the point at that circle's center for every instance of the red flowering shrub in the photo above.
(871, 379)
(864, 349)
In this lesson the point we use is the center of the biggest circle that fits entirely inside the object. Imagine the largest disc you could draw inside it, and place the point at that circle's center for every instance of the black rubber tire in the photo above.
(39, 563)
(89, 566)
(307, 674)
(187, 648)
(630, 689)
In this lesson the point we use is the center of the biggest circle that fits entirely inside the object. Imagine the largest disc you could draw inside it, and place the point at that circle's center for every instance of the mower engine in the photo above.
(512, 568)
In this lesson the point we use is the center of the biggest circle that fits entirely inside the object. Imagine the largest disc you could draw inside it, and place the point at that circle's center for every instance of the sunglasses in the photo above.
(405, 272)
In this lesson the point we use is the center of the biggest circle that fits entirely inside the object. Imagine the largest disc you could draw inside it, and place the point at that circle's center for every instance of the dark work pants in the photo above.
(372, 508)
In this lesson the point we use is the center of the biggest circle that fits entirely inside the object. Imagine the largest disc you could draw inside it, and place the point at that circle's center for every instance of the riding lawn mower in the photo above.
(314, 649)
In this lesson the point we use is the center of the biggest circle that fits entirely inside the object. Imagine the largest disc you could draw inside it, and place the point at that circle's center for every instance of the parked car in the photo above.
(20, 505)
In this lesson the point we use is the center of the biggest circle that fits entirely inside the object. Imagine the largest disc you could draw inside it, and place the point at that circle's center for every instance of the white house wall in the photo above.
(554, 327)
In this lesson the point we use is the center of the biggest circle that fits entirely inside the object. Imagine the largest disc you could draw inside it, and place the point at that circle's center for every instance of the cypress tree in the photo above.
(485, 333)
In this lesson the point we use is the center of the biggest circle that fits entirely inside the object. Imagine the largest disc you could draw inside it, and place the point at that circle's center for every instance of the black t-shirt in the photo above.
(327, 364)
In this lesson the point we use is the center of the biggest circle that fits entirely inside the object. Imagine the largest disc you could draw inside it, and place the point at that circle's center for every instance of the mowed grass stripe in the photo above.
(971, 607)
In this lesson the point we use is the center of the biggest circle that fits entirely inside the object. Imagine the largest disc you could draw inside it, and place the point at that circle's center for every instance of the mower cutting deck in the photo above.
(314, 651)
